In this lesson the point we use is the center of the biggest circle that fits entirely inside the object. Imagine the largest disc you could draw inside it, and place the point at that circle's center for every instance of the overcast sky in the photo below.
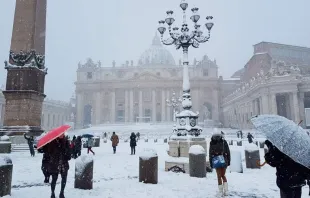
(122, 29)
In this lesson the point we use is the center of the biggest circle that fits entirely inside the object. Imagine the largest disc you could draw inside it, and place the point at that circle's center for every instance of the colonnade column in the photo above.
(140, 105)
(295, 107)
(131, 117)
(153, 106)
(113, 106)
(79, 111)
(126, 119)
(163, 106)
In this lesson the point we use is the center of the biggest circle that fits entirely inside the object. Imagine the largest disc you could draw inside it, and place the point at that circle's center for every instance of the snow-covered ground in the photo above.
(116, 176)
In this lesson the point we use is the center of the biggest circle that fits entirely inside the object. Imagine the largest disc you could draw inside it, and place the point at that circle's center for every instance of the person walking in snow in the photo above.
(250, 138)
(241, 134)
(90, 143)
(59, 152)
(219, 158)
(45, 162)
(133, 143)
(78, 146)
(115, 141)
(138, 136)
(30, 141)
(291, 176)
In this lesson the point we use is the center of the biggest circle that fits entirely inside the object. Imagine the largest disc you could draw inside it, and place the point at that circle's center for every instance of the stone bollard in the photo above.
(239, 143)
(105, 140)
(197, 161)
(261, 144)
(165, 140)
(5, 147)
(6, 170)
(155, 140)
(148, 167)
(236, 161)
(146, 140)
(231, 142)
(252, 156)
(96, 141)
(84, 166)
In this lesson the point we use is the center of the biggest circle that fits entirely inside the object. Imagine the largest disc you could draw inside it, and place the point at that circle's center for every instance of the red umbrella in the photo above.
(52, 135)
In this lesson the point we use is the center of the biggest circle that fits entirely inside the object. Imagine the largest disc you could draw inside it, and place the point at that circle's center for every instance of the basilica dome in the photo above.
(156, 55)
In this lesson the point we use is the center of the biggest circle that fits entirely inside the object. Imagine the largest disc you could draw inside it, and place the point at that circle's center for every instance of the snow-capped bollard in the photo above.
(84, 166)
(146, 140)
(261, 144)
(155, 140)
(105, 140)
(197, 161)
(165, 140)
(5, 146)
(239, 143)
(230, 142)
(96, 141)
(126, 140)
(6, 170)
(236, 161)
(252, 156)
(148, 167)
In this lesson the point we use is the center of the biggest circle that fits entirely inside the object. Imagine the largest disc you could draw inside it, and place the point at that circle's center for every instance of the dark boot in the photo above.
(53, 195)
(47, 180)
(61, 195)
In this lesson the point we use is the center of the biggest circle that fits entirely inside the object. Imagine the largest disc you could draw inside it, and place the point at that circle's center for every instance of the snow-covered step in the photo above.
(20, 147)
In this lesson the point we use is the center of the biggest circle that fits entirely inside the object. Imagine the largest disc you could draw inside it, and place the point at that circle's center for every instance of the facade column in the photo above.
(295, 107)
(215, 109)
(126, 106)
(79, 112)
(153, 106)
(140, 105)
(168, 110)
(163, 106)
(273, 104)
(301, 101)
(113, 106)
(265, 104)
(131, 117)
(98, 108)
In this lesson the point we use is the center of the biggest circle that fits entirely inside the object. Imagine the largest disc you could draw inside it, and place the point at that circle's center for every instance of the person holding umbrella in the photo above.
(58, 149)
(90, 143)
(288, 151)
(45, 162)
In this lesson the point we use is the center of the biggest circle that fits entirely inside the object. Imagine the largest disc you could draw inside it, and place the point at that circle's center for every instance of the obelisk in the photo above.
(24, 93)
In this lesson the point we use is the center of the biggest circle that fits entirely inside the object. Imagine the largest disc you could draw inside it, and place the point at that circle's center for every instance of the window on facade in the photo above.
(205, 73)
(89, 75)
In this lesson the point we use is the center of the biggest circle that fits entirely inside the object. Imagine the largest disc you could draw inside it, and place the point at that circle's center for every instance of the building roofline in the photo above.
(283, 45)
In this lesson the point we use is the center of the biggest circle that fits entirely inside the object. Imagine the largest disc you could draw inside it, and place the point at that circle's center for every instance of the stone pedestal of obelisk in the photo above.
(24, 92)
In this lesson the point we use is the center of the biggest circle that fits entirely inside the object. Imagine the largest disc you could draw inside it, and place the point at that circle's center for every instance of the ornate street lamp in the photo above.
(186, 120)
(174, 102)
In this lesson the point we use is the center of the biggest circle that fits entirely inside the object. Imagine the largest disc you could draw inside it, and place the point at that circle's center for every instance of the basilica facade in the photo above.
(139, 92)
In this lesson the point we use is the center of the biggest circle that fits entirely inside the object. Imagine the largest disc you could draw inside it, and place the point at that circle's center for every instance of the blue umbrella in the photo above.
(87, 136)
(286, 135)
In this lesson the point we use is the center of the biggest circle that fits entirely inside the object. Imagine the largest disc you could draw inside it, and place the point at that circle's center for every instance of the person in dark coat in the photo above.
(291, 176)
(72, 146)
(238, 134)
(59, 152)
(241, 134)
(45, 162)
(219, 146)
(78, 146)
(250, 138)
(138, 136)
(30, 141)
(133, 143)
